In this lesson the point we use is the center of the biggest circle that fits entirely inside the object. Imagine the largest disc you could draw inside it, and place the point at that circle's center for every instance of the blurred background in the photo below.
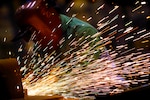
(125, 23)
(87, 10)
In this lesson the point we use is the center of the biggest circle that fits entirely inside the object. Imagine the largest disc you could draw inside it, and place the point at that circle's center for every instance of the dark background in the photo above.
(8, 27)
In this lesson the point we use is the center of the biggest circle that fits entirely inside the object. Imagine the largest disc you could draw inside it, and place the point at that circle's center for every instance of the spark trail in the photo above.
(91, 70)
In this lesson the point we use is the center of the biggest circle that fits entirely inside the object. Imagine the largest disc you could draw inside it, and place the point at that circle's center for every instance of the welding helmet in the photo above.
(39, 22)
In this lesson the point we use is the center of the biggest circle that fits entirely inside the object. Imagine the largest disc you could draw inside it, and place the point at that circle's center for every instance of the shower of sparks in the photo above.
(91, 70)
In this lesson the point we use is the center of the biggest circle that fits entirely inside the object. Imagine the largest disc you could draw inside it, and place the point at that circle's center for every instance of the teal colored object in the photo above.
(77, 31)
(72, 25)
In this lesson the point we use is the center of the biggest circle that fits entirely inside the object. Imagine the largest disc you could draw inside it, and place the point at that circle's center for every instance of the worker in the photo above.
(39, 21)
